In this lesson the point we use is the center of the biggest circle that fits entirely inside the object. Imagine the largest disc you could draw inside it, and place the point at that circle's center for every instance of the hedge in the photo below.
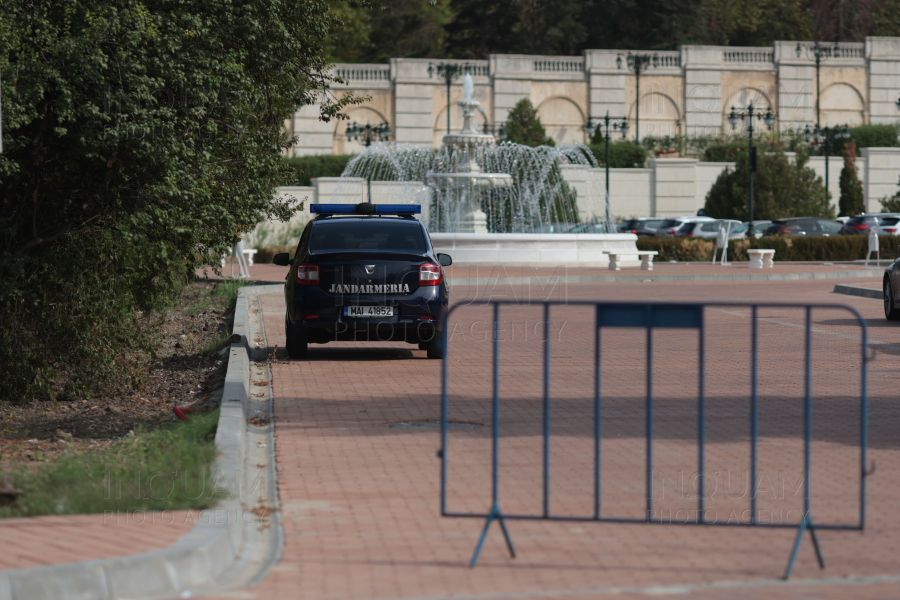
(622, 154)
(317, 165)
(787, 248)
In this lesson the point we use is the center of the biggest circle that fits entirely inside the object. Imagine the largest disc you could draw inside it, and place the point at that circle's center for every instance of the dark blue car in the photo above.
(365, 272)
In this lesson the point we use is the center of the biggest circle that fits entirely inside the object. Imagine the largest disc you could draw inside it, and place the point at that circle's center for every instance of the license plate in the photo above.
(368, 311)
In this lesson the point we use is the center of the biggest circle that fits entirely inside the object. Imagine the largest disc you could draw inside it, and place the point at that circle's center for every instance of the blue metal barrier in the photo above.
(650, 316)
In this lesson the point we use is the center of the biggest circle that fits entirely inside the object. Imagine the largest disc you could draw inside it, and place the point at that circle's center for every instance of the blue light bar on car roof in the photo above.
(365, 208)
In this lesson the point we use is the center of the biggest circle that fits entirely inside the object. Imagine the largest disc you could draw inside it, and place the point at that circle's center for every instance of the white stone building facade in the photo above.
(688, 91)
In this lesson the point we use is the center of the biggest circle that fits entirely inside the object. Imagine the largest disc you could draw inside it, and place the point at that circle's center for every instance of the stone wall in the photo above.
(686, 91)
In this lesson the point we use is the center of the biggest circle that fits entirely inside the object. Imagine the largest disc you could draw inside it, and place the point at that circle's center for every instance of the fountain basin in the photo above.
(478, 181)
(536, 249)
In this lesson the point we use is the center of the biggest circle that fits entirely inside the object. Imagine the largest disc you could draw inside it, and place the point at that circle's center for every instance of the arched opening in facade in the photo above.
(740, 101)
(563, 120)
(659, 116)
(841, 104)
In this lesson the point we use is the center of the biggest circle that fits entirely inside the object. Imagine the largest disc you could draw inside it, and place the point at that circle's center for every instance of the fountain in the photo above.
(460, 185)
(486, 203)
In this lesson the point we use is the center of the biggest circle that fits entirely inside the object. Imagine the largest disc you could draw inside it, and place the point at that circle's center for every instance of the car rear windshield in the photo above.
(890, 220)
(370, 234)
(670, 223)
(686, 228)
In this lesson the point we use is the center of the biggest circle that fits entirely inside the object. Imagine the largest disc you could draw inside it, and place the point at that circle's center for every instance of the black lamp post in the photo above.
(365, 135)
(637, 63)
(751, 113)
(818, 52)
(824, 136)
(449, 72)
(615, 123)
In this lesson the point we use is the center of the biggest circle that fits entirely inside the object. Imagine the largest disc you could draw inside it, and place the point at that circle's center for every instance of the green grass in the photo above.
(228, 290)
(165, 469)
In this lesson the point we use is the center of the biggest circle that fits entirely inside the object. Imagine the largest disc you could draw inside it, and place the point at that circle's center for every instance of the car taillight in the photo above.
(308, 274)
(631, 231)
(430, 274)
(891, 230)
(858, 227)
(783, 231)
(689, 234)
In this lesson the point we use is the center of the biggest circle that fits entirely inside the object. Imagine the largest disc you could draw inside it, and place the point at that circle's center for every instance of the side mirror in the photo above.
(445, 260)
(282, 259)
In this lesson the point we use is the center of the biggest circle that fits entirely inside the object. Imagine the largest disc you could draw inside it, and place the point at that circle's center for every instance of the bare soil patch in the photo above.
(188, 370)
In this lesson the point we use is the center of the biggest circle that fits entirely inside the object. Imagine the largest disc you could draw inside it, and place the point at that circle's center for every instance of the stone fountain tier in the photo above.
(465, 176)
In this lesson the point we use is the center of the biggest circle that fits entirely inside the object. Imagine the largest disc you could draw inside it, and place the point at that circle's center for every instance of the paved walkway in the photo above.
(53, 540)
(359, 479)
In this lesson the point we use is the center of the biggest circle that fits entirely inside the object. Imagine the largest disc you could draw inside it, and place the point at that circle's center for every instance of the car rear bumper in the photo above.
(320, 315)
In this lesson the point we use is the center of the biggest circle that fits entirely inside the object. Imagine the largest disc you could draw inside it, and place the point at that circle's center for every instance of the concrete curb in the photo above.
(196, 560)
(853, 290)
(651, 276)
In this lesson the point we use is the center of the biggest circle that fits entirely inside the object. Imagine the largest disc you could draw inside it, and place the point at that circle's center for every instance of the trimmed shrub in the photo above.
(622, 154)
(680, 249)
(867, 136)
(317, 165)
(797, 248)
(727, 152)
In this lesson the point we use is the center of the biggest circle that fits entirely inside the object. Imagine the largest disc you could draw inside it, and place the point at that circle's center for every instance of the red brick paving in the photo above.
(51, 540)
(360, 498)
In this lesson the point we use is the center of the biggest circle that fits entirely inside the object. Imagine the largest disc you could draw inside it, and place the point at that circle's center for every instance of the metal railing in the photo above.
(652, 316)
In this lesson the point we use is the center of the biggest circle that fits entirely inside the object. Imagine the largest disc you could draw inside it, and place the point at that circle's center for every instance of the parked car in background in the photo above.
(554, 227)
(670, 227)
(589, 228)
(860, 224)
(641, 226)
(866, 222)
(889, 226)
(759, 228)
(812, 226)
(706, 229)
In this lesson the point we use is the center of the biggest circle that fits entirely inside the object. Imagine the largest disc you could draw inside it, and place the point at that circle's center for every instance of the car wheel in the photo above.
(296, 342)
(435, 346)
(890, 313)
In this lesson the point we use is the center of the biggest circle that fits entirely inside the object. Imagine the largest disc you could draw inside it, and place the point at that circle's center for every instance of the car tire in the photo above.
(296, 342)
(890, 312)
(435, 346)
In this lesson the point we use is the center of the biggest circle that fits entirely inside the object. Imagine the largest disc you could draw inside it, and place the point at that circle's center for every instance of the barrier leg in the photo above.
(494, 514)
(806, 524)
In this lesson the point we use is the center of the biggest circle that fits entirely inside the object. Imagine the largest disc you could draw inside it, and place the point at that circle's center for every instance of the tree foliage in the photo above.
(782, 188)
(477, 28)
(523, 126)
(139, 140)
(852, 202)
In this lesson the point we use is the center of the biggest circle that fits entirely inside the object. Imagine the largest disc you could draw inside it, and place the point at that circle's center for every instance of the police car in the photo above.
(365, 272)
